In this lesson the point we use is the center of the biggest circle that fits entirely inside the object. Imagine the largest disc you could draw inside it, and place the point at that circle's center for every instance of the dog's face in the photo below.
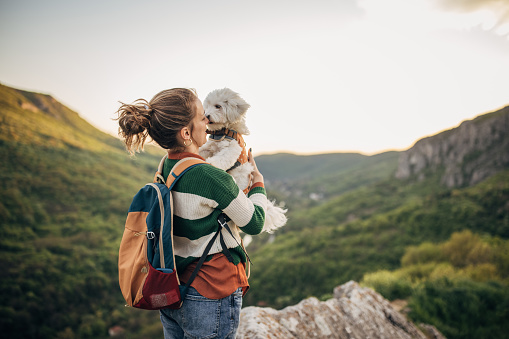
(225, 108)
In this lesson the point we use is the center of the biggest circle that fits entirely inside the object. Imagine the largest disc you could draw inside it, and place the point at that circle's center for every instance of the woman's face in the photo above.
(199, 122)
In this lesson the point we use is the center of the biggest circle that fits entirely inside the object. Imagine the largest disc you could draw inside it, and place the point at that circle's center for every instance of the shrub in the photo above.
(462, 308)
(424, 253)
(390, 285)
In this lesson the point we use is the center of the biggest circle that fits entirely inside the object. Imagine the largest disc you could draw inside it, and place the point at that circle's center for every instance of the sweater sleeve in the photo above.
(246, 211)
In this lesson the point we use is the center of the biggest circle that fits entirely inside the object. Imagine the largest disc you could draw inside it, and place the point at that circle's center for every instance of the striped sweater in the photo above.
(199, 197)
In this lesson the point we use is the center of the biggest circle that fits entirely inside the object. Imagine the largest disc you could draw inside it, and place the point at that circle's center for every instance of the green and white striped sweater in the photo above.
(199, 197)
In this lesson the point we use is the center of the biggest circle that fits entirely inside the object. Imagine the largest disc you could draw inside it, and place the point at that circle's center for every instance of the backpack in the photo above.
(147, 272)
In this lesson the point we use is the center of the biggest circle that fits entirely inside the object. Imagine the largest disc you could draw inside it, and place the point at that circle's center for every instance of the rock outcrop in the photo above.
(467, 154)
(354, 312)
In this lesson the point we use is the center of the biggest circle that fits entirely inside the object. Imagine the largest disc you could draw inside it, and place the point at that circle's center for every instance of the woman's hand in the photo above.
(256, 176)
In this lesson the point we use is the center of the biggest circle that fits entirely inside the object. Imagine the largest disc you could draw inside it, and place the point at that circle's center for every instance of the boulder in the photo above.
(353, 312)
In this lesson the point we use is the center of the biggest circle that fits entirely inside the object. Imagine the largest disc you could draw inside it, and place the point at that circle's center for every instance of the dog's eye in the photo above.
(218, 106)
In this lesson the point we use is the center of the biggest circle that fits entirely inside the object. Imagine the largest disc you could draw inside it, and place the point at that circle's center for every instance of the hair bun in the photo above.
(134, 123)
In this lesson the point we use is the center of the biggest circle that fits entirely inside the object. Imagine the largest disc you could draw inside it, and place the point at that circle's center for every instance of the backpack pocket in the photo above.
(161, 290)
(132, 261)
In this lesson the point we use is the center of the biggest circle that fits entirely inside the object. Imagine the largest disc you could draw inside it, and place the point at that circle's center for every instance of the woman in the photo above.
(175, 120)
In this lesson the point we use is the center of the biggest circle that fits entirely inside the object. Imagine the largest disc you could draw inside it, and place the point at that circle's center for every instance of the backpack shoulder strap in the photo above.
(158, 177)
(180, 168)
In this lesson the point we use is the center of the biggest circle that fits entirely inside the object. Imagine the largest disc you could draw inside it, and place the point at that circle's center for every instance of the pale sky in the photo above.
(320, 75)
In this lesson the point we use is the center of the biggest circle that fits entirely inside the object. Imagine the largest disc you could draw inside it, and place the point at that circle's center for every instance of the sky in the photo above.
(320, 75)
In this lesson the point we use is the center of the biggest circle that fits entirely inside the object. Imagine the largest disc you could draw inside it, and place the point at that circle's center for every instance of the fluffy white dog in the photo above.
(225, 149)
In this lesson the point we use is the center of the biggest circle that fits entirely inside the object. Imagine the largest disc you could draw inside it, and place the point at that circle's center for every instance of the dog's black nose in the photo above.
(208, 118)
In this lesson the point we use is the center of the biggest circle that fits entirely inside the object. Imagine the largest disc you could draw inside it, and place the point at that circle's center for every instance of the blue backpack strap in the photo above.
(180, 168)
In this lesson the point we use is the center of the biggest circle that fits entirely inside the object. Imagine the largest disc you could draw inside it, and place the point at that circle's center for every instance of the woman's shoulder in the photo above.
(205, 167)
(209, 170)
(202, 173)
(209, 181)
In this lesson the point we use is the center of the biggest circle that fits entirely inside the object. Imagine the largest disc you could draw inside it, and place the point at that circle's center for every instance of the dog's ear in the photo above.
(235, 108)
(243, 107)
(239, 104)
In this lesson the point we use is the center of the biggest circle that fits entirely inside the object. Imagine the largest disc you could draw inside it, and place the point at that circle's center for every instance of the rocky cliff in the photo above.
(463, 156)
(354, 312)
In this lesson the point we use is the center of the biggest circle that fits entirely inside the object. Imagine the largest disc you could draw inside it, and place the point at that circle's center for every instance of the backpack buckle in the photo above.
(222, 220)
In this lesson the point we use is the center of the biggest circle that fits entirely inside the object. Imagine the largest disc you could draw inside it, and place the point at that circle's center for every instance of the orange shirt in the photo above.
(217, 278)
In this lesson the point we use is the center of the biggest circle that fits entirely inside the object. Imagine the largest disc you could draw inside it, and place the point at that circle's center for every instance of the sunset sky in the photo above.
(321, 76)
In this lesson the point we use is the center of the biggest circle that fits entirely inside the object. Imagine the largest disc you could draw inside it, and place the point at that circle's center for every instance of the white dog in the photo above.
(225, 149)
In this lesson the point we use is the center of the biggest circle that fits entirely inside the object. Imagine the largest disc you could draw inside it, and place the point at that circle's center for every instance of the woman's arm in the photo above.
(256, 176)
(246, 211)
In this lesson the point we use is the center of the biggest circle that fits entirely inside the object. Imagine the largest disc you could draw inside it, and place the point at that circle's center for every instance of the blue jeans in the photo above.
(200, 317)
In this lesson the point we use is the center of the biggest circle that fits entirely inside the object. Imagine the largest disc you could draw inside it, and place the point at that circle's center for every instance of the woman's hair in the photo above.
(162, 119)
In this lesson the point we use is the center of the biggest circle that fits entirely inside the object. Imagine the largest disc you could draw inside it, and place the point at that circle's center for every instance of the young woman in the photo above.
(175, 120)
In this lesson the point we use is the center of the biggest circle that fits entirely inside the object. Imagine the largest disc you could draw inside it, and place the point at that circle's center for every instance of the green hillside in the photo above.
(304, 181)
(65, 190)
(367, 230)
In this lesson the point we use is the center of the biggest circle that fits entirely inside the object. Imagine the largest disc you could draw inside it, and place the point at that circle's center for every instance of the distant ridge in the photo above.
(30, 118)
(39, 103)
(464, 155)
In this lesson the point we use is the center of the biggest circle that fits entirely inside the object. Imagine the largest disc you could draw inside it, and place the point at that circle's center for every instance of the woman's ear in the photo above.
(185, 133)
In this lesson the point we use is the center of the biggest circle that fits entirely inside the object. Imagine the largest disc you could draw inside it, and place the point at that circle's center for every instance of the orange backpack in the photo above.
(147, 273)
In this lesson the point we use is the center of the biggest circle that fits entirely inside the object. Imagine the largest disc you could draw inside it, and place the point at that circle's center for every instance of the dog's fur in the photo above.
(226, 109)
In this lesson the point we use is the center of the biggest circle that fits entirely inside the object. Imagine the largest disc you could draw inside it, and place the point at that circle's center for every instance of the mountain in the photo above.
(465, 155)
(66, 188)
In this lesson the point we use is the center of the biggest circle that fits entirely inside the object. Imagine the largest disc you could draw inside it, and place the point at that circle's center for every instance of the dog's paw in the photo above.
(226, 153)
(241, 175)
(219, 162)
